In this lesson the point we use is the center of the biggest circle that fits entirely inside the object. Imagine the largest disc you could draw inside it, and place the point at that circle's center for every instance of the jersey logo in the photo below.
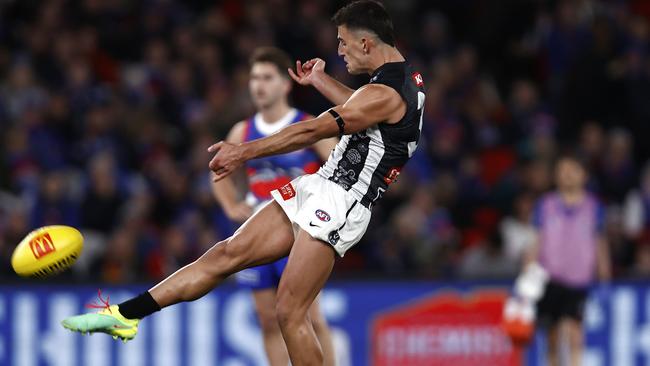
(391, 176)
(322, 215)
(287, 191)
(417, 77)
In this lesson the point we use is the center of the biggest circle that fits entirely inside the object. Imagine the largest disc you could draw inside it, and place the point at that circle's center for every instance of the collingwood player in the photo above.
(315, 217)
(269, 87)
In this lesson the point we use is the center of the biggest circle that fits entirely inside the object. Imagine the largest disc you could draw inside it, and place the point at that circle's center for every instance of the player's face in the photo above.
(570, 175)
(351, 49)
(267, 86)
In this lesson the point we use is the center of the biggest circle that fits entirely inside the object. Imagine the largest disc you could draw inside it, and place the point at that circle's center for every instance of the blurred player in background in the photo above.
(315, 217)
(269, 88)
(571, 248)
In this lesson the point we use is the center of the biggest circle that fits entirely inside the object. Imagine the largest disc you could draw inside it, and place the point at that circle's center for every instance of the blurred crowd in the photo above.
(107, 108)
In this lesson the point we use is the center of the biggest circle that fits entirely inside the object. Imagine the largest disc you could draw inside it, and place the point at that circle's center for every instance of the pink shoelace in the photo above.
(104, 303)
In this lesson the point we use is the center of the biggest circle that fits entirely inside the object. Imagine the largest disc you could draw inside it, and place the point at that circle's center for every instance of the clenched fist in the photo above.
(228, 157)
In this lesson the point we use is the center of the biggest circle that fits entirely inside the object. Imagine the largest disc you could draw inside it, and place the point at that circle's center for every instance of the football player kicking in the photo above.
(269, 87)
(314, 217)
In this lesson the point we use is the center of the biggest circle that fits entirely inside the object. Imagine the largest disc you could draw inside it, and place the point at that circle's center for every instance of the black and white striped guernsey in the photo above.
(367, 162)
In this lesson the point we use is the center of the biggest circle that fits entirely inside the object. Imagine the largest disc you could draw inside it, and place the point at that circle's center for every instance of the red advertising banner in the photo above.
(444, 329)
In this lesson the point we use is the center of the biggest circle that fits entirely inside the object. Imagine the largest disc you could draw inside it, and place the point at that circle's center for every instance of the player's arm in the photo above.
(323, 148)
(313, 73)
(603, 260)
(332, 89)
(531, 253)
(225, 191)
(368, 106)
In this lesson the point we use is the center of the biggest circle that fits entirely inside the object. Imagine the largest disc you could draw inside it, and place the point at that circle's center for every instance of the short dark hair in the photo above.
(368, 15)
(272, 55)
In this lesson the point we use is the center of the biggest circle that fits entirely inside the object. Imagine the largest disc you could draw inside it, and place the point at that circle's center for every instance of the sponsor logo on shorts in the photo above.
(287, 191)
(312, 224)
(323, 216)
(333, 237)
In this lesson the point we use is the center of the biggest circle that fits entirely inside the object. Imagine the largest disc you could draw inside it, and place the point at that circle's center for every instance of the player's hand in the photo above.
(228, 157)
(239, 212)
(307, 72)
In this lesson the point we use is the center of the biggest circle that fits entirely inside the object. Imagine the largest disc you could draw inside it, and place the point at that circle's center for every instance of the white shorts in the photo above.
(325, 210)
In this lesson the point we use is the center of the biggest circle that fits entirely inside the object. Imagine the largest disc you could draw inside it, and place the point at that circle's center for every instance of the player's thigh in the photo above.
(310, 264)
(263, 238)
(265, 308)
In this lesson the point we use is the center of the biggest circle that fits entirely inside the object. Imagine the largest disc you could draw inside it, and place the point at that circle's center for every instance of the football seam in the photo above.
(56, 267)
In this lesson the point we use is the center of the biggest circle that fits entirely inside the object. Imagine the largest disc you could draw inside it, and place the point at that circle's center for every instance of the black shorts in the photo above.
(560, 301)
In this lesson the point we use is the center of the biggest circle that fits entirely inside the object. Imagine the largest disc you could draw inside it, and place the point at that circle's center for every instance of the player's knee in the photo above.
(282, 314)
(268, 321)
(319, 323)
(317, 319)
(286, 311)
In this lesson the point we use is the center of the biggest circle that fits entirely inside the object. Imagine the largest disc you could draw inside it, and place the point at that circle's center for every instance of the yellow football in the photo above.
(47, 251)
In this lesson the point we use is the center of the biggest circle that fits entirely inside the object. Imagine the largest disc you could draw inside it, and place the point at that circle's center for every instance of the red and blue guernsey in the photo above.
(272, 172)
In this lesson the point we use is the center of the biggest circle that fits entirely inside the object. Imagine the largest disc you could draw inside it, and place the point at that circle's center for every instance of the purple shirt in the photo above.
(568, 238)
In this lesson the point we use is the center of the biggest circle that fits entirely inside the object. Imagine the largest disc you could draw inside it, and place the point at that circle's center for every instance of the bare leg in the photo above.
(322, 330)
(265, 237)
(276, 351)
(310, 264)
(573, 331)
(552, 343)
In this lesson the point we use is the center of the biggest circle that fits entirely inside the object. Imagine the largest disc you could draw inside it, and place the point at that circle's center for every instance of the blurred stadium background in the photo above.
(107, 107)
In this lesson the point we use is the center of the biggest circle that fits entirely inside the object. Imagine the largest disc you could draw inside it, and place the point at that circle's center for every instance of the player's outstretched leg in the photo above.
(265, 237)
(310, 264)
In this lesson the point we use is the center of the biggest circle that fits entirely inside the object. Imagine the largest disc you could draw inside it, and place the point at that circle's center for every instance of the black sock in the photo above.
(139, 306)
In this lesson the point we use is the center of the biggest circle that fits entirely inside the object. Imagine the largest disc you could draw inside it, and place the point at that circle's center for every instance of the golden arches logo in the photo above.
(42, 245)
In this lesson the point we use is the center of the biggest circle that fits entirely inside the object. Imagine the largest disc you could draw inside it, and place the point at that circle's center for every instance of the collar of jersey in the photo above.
(268, 128)
(385, 66)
